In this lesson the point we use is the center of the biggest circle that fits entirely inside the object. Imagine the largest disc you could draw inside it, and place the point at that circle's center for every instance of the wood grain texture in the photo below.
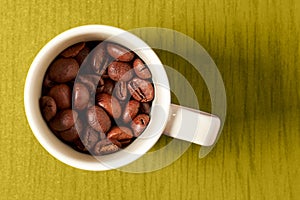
(256, 47)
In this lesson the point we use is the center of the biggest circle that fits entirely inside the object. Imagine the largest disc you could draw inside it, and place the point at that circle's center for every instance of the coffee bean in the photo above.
(81, 96)
(119, 133)
(140, 69)
(99, 59)
(105, 147)
(98, 119)
(119, 53)
(89, 80)
(130, 111)
(64, 120)
(92, 82)
(89, 138)
(73, 50)
(120, 71)
(141, 90)
(63, 70)
(139, 124)
(82, 55)
(62, 95)
(110, 104)
(120, 90)
(48, 107)
(108, 86)
(72, 133)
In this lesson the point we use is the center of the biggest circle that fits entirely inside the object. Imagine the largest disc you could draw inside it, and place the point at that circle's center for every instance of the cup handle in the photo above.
(192, 125)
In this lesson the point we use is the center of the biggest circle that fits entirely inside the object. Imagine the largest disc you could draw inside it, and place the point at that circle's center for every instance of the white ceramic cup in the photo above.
(200, 128)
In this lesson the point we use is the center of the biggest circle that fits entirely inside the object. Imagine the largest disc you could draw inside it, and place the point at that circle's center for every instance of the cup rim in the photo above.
(61, 151)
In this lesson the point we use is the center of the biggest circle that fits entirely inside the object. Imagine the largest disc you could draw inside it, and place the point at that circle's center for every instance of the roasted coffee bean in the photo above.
(131, 110)
(48, 107)
(145, 108)
(98, 119)
(105, 147)
(108, 86)
(89, 80)
(99, 59)
(110, 104)
(82, 55)
(120, 71)
(81, 96)
(119, 133)
(62, 95)
(64, 120)
(120, 90)
(119, 53)
(63, 70)
(92, 82)
(140, 69)
(73, 50)
(141, 90)
(72, 133)
(89, 138)
(139, 124)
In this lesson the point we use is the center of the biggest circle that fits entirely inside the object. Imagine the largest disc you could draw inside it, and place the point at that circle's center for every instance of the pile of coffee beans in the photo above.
(97, 97)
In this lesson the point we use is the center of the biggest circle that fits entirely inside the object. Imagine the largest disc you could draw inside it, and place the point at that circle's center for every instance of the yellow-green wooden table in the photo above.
(255, 45)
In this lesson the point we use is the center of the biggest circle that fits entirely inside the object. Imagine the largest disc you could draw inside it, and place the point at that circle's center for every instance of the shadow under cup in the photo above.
(61, 151)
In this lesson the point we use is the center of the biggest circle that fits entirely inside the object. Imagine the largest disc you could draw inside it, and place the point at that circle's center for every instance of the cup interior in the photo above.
(61, 151)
